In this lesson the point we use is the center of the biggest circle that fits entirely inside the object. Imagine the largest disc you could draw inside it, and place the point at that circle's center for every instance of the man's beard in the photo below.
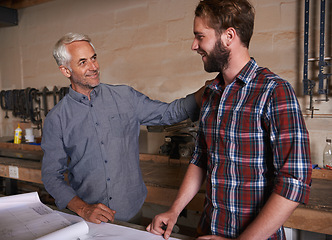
(218, 59)
(86, 84)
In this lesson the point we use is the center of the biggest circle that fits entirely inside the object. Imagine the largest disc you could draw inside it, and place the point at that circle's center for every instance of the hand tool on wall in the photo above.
(30, 102)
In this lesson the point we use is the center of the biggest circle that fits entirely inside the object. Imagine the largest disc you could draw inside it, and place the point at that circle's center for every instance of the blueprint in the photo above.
(24, 217)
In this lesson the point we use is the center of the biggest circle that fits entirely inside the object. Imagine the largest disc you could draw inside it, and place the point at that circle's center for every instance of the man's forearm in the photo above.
(273, 215)
(191, 184)
(95, 213)
(76, 205)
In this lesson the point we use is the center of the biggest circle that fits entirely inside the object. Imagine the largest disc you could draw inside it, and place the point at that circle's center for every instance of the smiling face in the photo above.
(84, 73)
(215, 55)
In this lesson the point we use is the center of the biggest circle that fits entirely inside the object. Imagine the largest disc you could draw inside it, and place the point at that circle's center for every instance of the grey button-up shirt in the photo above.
(100, 137)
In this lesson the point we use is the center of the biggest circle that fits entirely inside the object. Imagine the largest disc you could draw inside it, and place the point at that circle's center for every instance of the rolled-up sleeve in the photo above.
(290, 146)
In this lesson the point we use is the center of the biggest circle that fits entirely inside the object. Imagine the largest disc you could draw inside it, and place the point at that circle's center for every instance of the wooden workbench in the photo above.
(163, 177)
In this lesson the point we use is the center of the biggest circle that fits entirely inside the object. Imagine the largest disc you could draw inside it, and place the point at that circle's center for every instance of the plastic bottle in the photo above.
(18, 135)
(29, 137)
(327, 155)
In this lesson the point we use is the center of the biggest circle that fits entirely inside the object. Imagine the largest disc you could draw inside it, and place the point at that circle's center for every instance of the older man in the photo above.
(97, 127)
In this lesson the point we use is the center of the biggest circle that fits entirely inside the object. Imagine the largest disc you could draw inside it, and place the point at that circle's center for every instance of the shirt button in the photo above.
(105, 161)
(108, 179)
(102, 142)
(91, 105)
(97, 124)
(110, 198)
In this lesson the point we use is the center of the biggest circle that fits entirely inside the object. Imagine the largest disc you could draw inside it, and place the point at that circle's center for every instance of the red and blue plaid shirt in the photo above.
(252, 141)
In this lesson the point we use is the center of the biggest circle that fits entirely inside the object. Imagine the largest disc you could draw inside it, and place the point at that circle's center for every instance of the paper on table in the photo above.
(24, 217)
(20, 199)
(71, 232)
(109, 231)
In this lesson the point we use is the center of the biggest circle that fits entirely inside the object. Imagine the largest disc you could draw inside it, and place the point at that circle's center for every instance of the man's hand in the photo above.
(191, 184)
(95, 213)
(199, 93)
(167, 219)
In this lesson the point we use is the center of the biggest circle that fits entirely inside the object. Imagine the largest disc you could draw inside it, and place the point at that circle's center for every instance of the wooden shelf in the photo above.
(163, 177)
(321, 174)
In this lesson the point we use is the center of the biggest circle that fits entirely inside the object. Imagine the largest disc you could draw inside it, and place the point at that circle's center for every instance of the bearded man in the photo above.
(252, 147)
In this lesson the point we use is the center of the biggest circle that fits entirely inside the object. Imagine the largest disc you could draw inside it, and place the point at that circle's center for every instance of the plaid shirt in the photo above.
(252, 141)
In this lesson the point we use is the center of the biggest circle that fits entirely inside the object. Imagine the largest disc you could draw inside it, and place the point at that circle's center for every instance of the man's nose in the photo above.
(194, 45)
(93, 65)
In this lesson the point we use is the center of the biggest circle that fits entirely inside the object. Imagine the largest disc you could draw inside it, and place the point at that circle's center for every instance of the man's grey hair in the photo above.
(60, 53)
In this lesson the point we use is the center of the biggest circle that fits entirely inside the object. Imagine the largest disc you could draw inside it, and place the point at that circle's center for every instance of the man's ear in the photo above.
(65, 71)
(229, 34)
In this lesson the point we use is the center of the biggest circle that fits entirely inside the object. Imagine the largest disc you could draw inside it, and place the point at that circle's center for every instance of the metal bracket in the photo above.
(324, 83)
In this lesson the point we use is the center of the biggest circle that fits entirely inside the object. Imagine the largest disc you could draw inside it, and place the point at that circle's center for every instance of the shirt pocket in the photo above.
(116, 126)
(237, 126)
(243, 136)
(121, 125)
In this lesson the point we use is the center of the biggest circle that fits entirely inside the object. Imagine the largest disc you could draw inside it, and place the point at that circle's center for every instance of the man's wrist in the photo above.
(77, 205)
(175, 211)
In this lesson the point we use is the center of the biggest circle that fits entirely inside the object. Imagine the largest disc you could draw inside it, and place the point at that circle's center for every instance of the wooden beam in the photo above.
(18, 4)
(166, 196)
(27, 170)
(321, 174)
(310, 220)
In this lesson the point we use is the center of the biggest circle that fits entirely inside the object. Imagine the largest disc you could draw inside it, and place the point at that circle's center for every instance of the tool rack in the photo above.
(323, 62)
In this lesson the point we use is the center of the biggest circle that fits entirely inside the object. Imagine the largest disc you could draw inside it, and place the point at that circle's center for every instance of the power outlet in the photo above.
(13, 172)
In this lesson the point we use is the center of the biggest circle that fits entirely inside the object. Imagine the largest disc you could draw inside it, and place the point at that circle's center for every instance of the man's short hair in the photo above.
(60, 53)
(222, 14)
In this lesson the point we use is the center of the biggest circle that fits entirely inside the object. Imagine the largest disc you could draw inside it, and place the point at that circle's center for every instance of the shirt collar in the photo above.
(81, 97)
(247, 73)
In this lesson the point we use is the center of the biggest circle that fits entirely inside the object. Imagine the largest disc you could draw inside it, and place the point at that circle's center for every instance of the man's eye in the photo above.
(82, 63)
(199, 37)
